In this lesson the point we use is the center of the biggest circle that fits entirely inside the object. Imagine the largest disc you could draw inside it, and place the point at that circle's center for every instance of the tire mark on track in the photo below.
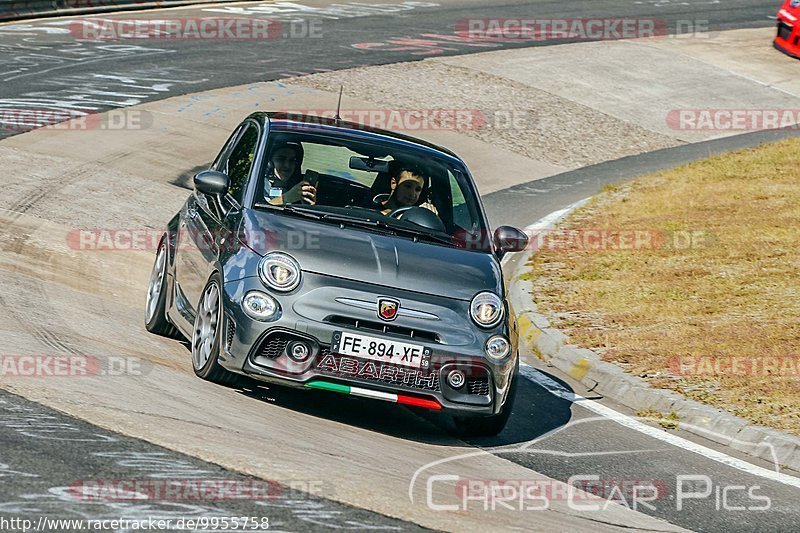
(41, 190)
(29, 322)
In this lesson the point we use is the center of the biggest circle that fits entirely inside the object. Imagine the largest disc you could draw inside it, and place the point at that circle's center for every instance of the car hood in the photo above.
(362, 255)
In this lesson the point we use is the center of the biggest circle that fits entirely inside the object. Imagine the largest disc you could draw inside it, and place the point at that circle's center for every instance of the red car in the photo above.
(788, 38)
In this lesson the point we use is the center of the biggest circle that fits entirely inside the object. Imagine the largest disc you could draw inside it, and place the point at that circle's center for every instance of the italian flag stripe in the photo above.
(329, 386)
(377, 395)
(366, 393)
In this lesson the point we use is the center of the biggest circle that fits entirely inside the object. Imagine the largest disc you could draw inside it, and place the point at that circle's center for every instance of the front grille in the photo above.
(409, 379)
(382, 327)
(478, 386)
(784, 30)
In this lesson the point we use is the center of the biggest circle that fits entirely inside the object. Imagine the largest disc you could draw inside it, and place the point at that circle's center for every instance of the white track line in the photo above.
(631, 423)
(546, 222)
(554, 217)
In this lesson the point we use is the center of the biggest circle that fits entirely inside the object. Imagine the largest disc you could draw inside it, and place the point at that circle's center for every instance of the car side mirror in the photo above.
(212, 182)
(509, 239)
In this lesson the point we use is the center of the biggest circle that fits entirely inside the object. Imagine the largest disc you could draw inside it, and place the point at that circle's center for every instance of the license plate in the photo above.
(377, 349)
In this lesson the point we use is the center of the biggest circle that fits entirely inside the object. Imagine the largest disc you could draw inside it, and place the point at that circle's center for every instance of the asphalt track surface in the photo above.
(42, 64)
(547, 433)
(64, 468)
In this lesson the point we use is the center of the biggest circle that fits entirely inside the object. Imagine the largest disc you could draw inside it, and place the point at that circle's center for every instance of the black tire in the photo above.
(487, 426)
(205, 350)
(155, 311)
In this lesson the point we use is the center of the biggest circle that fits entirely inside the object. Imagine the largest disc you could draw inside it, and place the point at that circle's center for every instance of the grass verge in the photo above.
(690, 279)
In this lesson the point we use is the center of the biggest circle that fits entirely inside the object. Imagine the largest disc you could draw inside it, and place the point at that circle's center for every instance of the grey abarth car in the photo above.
(324, 254)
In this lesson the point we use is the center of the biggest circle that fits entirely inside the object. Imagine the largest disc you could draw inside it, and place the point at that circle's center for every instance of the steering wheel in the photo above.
(400, 211)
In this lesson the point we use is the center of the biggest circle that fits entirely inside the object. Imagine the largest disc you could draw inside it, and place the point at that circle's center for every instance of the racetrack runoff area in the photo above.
(70, 300)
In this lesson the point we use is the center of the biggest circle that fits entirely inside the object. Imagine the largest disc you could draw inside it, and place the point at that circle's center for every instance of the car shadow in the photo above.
(536, 412)
(372, 415)
(186, 179)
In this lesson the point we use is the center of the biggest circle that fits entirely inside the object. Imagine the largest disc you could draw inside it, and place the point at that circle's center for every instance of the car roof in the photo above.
(315, 124)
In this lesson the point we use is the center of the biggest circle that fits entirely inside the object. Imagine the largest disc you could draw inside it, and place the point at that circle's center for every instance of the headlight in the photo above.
(279, 271)
(497, 347)
(260, 306)
(486, 309)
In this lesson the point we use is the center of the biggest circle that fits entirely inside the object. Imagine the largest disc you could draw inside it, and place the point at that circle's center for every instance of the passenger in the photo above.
(284, 183)
(407, 184)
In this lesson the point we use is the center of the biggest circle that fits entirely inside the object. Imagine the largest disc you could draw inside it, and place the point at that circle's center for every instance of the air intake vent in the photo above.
(230, 333)
(382, 327)
(478, 386)
(274, 345)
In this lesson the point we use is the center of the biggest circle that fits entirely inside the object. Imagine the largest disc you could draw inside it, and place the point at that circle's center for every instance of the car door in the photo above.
(203, 217)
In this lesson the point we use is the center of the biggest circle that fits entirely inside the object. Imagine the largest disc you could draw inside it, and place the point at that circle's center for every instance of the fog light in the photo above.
(456, 379)
(299, 351)
(497, 347)
(260, 306)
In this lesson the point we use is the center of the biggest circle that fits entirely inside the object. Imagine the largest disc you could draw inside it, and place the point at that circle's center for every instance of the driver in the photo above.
(284, 183)
(407, 184)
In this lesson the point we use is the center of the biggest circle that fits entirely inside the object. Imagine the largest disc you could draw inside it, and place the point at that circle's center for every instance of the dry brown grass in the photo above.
(736, 292)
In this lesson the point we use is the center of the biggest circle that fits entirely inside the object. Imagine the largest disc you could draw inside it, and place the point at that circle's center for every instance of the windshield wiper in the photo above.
(310, 213)
(424, 235)
(379, 225)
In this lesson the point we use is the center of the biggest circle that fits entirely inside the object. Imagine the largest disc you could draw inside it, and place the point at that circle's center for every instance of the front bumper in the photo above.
(787, 39)
(314, 314)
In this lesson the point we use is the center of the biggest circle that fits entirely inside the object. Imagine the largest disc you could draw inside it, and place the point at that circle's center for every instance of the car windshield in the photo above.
(381, 186)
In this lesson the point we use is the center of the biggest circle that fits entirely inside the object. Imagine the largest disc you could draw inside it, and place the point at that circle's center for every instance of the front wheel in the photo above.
(206, 335)
(487, 426)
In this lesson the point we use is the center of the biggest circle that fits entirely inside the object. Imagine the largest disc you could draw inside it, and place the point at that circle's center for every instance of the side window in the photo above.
(461, 211)
(221, 161)
(241, 160)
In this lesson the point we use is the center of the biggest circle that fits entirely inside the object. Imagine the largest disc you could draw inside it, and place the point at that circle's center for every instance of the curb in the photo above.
(587, 367)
